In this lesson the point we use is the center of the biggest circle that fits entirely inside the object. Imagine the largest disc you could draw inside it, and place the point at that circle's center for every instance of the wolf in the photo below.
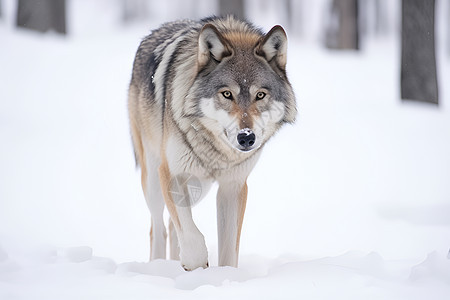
(204, 98)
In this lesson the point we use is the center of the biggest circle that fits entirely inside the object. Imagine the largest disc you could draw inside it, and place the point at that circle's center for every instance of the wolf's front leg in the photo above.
(231, 201)
(193, 253)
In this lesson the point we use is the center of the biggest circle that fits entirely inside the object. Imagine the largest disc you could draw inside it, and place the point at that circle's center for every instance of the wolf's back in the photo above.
(157, 55)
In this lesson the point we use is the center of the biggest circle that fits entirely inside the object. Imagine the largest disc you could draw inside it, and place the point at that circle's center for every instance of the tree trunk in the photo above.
(342, 31)
(380, 18)
(232, 7)
(134, 10)
(289, 14)
(448, 28)
(42, 15)
(418, 69)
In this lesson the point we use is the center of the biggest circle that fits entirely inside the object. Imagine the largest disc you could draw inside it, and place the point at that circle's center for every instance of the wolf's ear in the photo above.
(211, 44)
(273, 46)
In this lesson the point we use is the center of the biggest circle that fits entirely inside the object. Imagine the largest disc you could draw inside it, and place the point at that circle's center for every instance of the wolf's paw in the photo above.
(193, 253)
(195, 260)
(186, 268)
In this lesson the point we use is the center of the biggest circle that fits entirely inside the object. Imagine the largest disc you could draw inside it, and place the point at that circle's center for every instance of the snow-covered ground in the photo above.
(352, 202)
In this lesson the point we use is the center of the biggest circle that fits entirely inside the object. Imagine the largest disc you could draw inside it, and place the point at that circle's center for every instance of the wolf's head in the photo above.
(241, 91)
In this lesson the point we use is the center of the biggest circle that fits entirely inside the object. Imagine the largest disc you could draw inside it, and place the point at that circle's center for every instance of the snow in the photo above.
(351, 202)
(52, 275)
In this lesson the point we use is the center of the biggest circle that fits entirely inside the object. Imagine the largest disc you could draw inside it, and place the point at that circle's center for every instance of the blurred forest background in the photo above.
(340, 25)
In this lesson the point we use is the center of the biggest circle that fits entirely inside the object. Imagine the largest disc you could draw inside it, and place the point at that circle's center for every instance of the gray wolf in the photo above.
(204, 98)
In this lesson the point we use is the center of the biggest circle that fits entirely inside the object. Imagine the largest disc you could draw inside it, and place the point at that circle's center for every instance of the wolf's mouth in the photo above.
(245, 149)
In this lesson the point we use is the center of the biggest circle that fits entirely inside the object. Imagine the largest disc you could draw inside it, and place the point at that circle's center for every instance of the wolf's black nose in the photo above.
(246, 138)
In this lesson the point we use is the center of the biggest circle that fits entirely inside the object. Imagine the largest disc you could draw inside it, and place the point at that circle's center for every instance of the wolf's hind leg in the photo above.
(155, 203)
(174, 246)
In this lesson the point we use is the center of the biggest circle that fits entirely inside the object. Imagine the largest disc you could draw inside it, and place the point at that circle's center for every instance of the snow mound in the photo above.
(3, 255)
(434, 267)
(76, 254)
(165, 268)
(215, 276)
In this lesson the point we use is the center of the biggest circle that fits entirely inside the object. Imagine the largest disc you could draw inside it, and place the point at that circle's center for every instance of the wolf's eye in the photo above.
(227, 95)
(260, 96)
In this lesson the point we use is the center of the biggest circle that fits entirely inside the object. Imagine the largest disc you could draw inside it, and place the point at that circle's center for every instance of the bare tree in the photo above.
(289, 14)
(372, 17)
(292, 13)
(448, 28)
(342, 30)
(418, 64)
(133, 10)
(232, 7)
(42, 15)
(381, 26)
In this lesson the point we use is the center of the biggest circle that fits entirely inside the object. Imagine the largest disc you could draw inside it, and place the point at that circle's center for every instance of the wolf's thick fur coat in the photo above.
(204, 99)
